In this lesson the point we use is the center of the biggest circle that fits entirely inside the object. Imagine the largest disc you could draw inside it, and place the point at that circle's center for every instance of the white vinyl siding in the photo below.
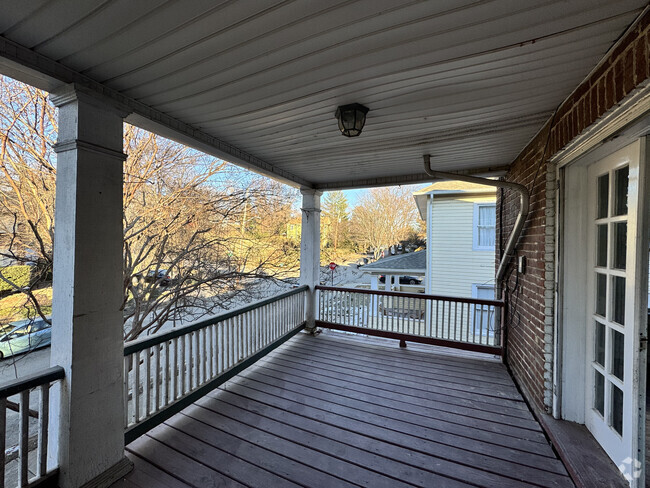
(454, 265)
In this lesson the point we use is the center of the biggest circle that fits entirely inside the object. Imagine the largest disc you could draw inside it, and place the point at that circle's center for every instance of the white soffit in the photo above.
(258, 82)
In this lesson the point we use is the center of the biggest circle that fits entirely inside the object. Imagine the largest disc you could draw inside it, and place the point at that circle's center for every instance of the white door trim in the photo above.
(571, 341)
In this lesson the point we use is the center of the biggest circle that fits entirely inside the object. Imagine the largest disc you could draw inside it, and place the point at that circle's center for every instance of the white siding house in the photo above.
(460, 219)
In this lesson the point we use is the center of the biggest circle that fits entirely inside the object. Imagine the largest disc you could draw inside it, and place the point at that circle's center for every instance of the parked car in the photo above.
(404, 280)
(25, 335)
(362, 261)
(162, 276)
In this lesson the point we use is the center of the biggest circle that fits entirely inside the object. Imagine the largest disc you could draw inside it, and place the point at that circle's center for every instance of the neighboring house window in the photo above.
(484, 315)
(484, 226)
(484, 292)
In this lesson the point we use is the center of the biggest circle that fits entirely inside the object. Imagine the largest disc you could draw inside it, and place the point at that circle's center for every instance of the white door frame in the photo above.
(571, 333)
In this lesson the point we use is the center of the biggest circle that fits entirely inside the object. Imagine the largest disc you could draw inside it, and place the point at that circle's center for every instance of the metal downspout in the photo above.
(524, 201)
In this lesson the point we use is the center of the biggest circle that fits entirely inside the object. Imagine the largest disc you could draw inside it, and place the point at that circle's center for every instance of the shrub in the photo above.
(19, 275)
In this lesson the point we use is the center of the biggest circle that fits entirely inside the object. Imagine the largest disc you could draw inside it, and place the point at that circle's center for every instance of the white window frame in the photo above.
(475, 243)
(489, 317)
(476, 286)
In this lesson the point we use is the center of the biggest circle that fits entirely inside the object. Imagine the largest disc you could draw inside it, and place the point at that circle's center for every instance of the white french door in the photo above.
(613, 301)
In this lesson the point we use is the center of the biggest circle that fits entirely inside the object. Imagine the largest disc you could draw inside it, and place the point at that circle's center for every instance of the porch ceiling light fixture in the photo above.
(351, 119)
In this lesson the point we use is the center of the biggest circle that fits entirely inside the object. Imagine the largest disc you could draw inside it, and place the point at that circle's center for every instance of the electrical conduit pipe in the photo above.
(524, 201)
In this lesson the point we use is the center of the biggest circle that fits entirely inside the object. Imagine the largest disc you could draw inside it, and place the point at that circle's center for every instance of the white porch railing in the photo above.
(465, 323)
(164, 374)
(23, 451)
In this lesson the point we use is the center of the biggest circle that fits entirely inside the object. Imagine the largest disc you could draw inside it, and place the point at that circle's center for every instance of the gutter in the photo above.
(524, 201)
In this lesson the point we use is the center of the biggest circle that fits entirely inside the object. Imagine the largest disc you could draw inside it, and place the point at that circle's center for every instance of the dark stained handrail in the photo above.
(13, 387)
(477, 301)
(165, 373)
(142, 344)
(465, 323)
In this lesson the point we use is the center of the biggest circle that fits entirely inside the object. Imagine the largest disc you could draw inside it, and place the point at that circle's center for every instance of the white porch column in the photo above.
(374, 303)
(310, 249)
(428, 277)
(87, 332)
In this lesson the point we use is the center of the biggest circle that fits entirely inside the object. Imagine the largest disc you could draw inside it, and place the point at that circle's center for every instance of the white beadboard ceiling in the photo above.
(257, 82)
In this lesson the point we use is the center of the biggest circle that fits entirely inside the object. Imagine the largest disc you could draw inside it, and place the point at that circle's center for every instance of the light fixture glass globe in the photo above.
(351, 119)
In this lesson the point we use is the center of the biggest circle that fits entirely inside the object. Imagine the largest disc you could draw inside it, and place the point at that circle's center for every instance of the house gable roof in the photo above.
(449, 189)
(415, 262)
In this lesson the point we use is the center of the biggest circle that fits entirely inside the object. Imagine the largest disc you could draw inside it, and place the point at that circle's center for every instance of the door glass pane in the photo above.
(620, 245)
(618, 300)
(618, 353)
(620, 198)
(599, 355)
(603, 196)
(599, 392)
(601, 294)
(617, 409)
(601, 246)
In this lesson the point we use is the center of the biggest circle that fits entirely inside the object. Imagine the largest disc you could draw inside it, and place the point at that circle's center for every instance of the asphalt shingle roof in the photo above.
(409, 261)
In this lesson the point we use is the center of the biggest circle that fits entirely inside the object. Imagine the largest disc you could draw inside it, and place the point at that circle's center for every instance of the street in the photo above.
(24, 364)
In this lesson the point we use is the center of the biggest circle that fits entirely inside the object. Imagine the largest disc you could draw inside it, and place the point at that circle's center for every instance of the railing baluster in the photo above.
(221, 347)
(195, 359)
(147, 375)
(274, 315)
(167, 372)
(157, 379)
(437, 318)
(183, 364)
(136, 386)
(23, 446)
(231, 343)
(212, 365)
(127, 362)
(481, 325)
(3, 441)
(257, 328)
(43, 423)
(190, 358)
(241, 339)
(176, 376)
(206, 358)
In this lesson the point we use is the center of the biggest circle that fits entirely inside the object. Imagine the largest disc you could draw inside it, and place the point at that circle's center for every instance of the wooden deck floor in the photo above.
(338, 411)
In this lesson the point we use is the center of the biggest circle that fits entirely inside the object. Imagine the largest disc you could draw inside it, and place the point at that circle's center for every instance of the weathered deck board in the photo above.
(389, 383)
(376, 405)
(440, 365)
(337, 411)
(460, 414)
(466, 458)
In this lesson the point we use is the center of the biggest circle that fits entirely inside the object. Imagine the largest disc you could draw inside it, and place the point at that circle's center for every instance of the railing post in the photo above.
(310, 250)
(87, 334)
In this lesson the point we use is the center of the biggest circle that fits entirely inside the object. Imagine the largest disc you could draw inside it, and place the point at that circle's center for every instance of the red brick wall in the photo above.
(529, 314)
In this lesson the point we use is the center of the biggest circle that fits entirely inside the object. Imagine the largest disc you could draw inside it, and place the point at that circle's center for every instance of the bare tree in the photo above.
(383, 217)
(197, 233)
(27, 177)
